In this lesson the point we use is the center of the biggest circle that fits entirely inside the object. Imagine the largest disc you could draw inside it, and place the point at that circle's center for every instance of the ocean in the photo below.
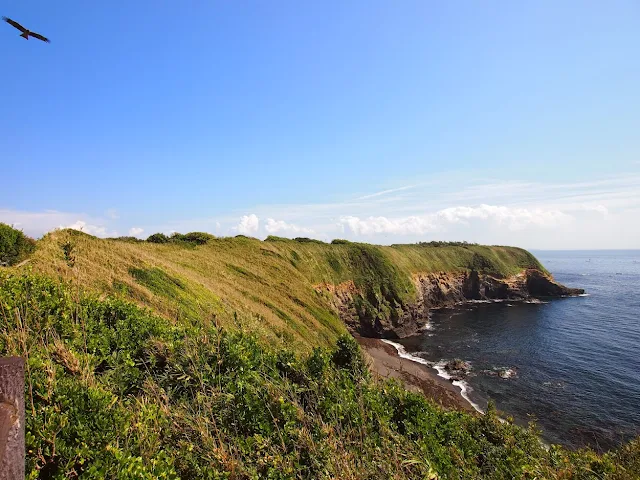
(570, 364)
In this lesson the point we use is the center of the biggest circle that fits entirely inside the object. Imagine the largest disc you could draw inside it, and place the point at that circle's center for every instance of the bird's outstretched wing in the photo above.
(14, 24)
(39, 37)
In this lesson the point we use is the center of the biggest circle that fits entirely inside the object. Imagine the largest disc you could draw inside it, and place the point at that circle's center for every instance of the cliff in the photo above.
(299, 292)
(435, 290)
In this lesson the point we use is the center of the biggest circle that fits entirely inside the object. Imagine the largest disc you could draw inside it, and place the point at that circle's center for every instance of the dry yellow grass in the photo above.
(264, 286)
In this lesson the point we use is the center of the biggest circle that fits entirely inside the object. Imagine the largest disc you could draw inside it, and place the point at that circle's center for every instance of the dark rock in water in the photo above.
(502, 372)
(507, 373)
(457, 365)
(457, 369)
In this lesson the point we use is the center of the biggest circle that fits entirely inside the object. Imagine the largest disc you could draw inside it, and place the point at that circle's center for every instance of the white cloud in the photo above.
(282, 227)
(95, 230)
(511, 218)
(249, 224)
(398, 226)
(135, 231)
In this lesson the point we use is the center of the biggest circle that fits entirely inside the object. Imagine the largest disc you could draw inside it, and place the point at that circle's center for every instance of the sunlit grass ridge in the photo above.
(265, 285)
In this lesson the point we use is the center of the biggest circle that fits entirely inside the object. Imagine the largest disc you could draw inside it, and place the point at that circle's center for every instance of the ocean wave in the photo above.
(402, 353)
(427, 326)
(464, 391)
(464, 387)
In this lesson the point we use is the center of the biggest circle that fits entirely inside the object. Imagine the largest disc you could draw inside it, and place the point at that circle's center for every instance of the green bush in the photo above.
(308, 240)
(158, 238)
(199, 238)
(191, 238)
(127, 239)
(15, 246)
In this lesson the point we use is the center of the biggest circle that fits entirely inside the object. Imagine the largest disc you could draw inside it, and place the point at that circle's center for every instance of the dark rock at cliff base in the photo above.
(540, 285)
(436, 290)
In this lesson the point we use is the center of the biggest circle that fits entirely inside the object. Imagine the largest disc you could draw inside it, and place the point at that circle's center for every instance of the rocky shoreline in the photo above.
(385, 362)
(437, 290)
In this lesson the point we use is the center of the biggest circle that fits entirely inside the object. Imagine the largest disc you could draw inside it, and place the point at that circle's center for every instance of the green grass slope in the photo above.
(266, 286)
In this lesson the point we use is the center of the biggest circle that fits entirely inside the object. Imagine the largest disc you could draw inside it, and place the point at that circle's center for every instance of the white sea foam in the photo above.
(464, 391)
(402, 353)
(439, 367)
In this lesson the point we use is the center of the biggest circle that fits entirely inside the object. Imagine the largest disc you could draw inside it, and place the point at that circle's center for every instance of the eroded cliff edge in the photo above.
(390, 318)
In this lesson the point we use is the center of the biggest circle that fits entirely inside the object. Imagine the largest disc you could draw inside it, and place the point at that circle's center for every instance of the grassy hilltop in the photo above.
(266, 286)
(208, 358)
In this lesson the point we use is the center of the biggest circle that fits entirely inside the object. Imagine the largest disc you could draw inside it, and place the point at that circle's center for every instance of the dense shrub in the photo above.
(199, 238)
(15, 246)
(340, 241)
(158, 238)
(438, 243)
(127, 239)
(308, 240)
(191, 238)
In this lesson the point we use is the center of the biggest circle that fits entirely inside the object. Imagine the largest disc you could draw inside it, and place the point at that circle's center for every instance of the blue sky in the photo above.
(506, 123)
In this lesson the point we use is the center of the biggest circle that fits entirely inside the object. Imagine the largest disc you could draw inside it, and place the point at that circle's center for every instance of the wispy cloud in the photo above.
(599, 213)
(386, 192)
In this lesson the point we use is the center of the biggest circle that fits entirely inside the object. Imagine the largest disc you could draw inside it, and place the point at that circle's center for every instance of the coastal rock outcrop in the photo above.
(436, 290)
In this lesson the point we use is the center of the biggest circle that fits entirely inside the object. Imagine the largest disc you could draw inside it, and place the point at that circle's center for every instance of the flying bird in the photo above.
(25, 32)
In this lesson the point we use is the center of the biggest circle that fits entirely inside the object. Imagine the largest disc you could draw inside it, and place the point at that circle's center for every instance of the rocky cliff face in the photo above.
(437, 290)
